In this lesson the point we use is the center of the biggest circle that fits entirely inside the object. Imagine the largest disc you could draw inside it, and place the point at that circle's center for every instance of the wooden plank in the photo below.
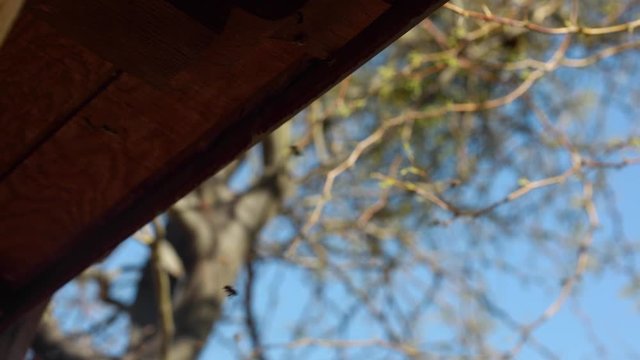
(135, 149)
(85, 169)
(44, 79)
(148, 38)
(214, 14)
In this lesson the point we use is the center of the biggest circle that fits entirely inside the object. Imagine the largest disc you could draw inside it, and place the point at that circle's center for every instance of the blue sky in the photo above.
(599, 316)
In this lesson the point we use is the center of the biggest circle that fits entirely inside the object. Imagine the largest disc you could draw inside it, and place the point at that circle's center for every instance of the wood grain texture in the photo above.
(136, 148)
(148, 38)
(82, 171)
(214, 14)
(43, 79)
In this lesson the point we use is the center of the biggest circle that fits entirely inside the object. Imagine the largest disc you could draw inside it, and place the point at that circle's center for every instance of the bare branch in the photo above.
(525, 24)
(163, 292)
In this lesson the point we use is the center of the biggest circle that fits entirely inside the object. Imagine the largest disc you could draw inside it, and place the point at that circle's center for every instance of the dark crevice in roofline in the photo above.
(112, 77)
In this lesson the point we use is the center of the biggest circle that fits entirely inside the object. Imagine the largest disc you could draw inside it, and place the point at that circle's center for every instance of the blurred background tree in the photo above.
(449, 200)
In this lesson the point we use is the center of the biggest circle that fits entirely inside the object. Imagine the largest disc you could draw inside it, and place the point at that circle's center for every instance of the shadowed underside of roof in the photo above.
(112, 110)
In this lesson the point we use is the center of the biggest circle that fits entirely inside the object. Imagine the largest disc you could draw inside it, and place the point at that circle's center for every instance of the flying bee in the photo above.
(295, 150)
(230, 291)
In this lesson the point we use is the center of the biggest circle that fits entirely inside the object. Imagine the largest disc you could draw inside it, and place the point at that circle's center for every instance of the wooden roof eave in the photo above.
(114, 155)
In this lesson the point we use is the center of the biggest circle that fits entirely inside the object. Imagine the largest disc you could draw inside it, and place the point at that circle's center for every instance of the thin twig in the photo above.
(571, 282)
(410, 116)
(525, 24)
(384, 197)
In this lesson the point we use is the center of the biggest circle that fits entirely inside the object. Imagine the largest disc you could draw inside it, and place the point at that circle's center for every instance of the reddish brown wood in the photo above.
(148, 38)
(44, 79)
(134, 148)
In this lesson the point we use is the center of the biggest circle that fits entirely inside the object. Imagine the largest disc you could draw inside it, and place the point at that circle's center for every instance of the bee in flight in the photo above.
(230, 290)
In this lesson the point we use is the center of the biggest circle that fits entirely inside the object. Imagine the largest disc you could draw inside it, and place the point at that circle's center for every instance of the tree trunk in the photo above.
(213, 232)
